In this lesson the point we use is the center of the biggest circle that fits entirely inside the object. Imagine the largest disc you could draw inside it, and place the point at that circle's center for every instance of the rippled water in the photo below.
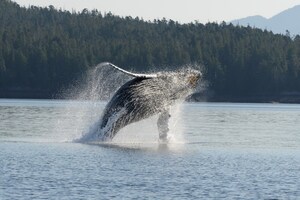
(218, 150)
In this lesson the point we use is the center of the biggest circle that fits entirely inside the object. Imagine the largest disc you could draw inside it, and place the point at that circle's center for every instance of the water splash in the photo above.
(92, 90)
(98, 83)
(88, 95)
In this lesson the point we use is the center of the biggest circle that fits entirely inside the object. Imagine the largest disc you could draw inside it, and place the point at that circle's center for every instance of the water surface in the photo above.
(217, 150)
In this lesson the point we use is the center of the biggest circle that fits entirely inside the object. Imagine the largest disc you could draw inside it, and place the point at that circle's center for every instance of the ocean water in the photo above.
(216, 150)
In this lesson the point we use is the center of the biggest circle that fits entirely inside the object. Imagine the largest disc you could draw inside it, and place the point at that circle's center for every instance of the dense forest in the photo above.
(45, 49)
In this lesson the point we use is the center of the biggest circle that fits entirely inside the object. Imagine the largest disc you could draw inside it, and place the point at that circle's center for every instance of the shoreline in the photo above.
(292, 97)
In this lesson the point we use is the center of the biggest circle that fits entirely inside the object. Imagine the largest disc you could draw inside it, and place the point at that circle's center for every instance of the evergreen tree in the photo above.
(46, 49)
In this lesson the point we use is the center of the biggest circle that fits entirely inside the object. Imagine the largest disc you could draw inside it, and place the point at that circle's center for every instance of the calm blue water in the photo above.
(217, 150)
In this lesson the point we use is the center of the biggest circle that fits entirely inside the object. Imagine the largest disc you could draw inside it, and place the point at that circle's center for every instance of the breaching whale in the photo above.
(144, 96)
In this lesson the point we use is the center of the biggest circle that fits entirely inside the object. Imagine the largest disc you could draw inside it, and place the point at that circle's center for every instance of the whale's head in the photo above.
(193, 77)
(179, 84)
(187, 78)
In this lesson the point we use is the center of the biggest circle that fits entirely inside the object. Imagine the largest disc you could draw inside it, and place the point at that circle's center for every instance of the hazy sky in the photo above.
(183, 11)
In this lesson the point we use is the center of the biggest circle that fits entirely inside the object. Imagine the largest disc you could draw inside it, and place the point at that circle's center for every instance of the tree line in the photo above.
(46, 49)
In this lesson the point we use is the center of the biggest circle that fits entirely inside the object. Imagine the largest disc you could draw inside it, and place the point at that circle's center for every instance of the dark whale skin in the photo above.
(141, 98)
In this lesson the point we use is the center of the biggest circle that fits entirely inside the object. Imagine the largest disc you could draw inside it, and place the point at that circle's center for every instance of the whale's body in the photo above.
(143, 97)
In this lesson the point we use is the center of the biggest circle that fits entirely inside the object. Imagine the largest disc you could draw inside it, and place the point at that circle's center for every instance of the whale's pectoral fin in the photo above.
(162, 125)
(129, 73)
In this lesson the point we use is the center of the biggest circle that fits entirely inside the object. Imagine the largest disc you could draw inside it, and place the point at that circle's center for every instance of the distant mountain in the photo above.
(286, 20)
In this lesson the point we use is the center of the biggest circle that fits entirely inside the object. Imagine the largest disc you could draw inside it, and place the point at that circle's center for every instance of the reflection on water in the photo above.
(248, 125)
(208, 124)
(231, 151)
